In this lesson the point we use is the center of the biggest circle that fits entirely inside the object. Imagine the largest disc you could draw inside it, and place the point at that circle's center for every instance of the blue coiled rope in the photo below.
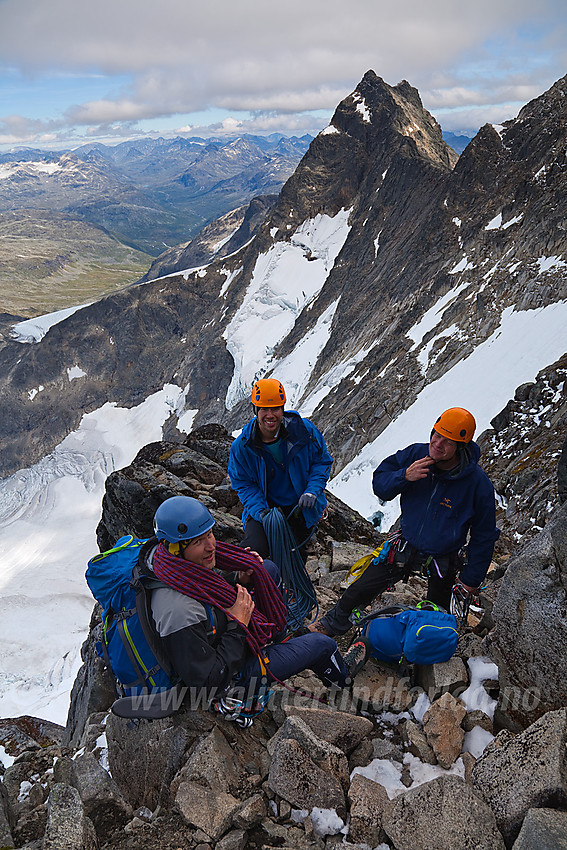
(297, 588)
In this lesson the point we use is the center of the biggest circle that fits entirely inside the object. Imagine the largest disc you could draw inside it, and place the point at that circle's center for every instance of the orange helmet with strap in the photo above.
(268, 392)
(456, 424)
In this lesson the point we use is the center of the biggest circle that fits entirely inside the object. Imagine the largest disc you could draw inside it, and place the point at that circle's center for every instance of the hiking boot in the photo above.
(355, 656)
(356, 615)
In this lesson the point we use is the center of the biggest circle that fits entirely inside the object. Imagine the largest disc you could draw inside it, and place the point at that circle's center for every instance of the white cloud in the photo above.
(177, 58)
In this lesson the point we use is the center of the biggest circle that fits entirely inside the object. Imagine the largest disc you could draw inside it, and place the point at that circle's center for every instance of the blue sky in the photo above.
(74, 71)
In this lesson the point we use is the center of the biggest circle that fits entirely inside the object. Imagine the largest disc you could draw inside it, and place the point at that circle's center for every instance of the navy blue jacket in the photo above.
(308, 465)
(440, 510)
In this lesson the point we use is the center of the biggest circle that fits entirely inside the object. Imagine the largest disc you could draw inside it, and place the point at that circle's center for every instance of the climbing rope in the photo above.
(297, 588)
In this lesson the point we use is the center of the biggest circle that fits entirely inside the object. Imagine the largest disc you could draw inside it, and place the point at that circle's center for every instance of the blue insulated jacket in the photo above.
(308, 465)
(440, 510)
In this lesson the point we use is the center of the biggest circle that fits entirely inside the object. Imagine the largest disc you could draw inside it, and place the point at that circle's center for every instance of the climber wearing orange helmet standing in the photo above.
(279, 460)
(444, 497)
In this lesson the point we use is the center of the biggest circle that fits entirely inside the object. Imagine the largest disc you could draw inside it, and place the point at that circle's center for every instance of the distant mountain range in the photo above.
(123, 206)
(458, 143)
(151, 193)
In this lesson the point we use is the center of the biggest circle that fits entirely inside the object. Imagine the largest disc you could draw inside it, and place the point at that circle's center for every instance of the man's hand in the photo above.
(243, 606)
(254, 555)
(243, 577)
(307, 500)
(419, 469)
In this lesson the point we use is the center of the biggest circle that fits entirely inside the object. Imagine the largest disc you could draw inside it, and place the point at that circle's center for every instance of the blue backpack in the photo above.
(417, 635)
(130, 644)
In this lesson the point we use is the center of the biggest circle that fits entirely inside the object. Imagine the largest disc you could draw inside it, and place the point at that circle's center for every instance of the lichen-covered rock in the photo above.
(67, 827)
(443, 814)
(417, 743)
(543, 829)
(380, 688)
(325, 755)
(530, 632)
(339, 728)
(251, 812)
(144, 755)
(211, 811)
(368, 800)
(214, 764)
(6, 839)
(447, 677)
(295, 777)
(102, 801)
(528, 770)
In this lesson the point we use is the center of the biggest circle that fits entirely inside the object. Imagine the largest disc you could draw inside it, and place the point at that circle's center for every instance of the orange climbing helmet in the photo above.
(268, 392)
(456, 424)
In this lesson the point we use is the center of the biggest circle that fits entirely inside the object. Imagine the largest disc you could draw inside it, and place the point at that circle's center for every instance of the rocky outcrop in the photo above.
(313, 763)
(562, 474)
(524, 454)
(387, 762)
(530, 623)
(295, 776)
(441, 815)
(506, 775)
(68, 826)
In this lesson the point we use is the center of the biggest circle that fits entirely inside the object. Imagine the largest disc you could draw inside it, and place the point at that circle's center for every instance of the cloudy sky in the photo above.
(73, 71)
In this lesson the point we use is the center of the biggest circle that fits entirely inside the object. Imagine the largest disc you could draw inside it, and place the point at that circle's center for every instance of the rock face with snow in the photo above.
(522, 453)
(386, 268)
(218, 239)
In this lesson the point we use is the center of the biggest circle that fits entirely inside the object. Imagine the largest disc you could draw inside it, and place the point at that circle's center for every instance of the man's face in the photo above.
(202, 550)
(442, 450)
(269, 420)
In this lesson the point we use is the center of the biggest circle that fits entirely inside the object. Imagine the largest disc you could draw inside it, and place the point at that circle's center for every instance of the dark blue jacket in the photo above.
(440, 510)
(308, 465)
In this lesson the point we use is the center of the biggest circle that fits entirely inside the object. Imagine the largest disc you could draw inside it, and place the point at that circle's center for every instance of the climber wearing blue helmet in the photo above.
(218, 609)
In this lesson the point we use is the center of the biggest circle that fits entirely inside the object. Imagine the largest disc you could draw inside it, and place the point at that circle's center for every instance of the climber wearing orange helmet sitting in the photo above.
(444, 497)
(279, 460)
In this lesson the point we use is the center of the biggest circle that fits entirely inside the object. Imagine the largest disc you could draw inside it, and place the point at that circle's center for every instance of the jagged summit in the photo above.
(371, 128)
(391, 111)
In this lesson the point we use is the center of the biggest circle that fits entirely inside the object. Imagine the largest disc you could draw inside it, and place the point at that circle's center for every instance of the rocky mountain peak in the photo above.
(551, 106)
(374, 132)
(377, 113)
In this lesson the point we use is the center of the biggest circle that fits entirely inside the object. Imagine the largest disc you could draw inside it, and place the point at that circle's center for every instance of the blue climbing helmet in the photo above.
(181, 518)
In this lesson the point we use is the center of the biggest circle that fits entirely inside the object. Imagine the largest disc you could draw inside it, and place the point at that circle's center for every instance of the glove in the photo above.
(307, 500)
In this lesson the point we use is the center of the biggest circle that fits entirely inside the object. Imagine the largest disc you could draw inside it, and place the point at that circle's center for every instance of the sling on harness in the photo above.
(378, 556)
